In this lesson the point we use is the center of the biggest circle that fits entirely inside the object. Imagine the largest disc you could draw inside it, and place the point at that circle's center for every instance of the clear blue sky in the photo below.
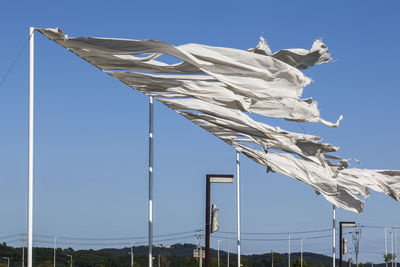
(91, 130)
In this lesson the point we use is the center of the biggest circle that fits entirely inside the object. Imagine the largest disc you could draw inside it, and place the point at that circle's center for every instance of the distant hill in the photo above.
(178, 255)
(186, 250)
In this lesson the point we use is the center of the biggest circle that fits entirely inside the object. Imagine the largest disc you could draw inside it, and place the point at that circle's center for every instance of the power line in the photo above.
(284, 239)
(371, 252)
(114, 239)
(279, 233)
(380, 227)
(11, 236)
(107, 243)
(14, 240)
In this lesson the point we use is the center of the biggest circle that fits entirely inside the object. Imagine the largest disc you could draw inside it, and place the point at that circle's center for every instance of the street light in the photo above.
(218, 250)
(71, 258)
(212, 178)
(8, 261)
(341, 225)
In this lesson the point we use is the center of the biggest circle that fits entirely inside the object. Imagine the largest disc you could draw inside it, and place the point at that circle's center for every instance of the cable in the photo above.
(115, 239)
(380, 227)
(108, 244)
(370, 252)
(15, 61)
(11, 236)
(13, 240)
(280, 233)
(283, 239)
(184, 233)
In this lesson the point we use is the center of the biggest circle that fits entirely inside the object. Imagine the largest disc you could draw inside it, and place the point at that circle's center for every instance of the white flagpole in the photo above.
(238, 205)
(30, 145)
(334, 237)
(151, 182)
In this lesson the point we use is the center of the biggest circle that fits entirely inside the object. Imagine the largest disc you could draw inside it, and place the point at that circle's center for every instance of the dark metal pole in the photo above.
(341, 244)
(208, 189)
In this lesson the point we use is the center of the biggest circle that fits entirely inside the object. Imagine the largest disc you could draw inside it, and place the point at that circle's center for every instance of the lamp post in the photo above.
(341, 225)
(8, 261)
(212, 178)
(218, 250)
(71, 259)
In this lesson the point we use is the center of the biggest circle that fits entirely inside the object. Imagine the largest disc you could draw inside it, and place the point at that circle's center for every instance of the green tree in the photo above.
(213, 261)
(277, 259)
(165, 262)
(297, 263)
(388, 257)
(47, 263)
(243, 261)
(191, 262)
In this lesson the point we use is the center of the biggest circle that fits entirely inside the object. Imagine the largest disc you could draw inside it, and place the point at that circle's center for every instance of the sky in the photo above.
(91, 131)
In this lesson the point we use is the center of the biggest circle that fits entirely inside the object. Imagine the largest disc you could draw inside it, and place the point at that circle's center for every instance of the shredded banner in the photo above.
(215, 87)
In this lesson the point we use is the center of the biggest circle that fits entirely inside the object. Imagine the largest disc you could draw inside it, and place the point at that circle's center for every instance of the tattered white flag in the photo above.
(216, 86)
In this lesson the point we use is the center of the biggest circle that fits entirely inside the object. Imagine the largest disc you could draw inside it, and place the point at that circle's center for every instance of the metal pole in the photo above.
(208, 189)
(55, 246)
(218, 250)
(386, 247)
(227, 245)
(395, 247)
(131, 255)
(151, 182)
(238, 205)
(301, 252)
(392, 245)
(334, 237)
(218, 254)
(30, 145)
(289, 250)
(340, 244)
(200, 252)
(23, 251)
(272, 258)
